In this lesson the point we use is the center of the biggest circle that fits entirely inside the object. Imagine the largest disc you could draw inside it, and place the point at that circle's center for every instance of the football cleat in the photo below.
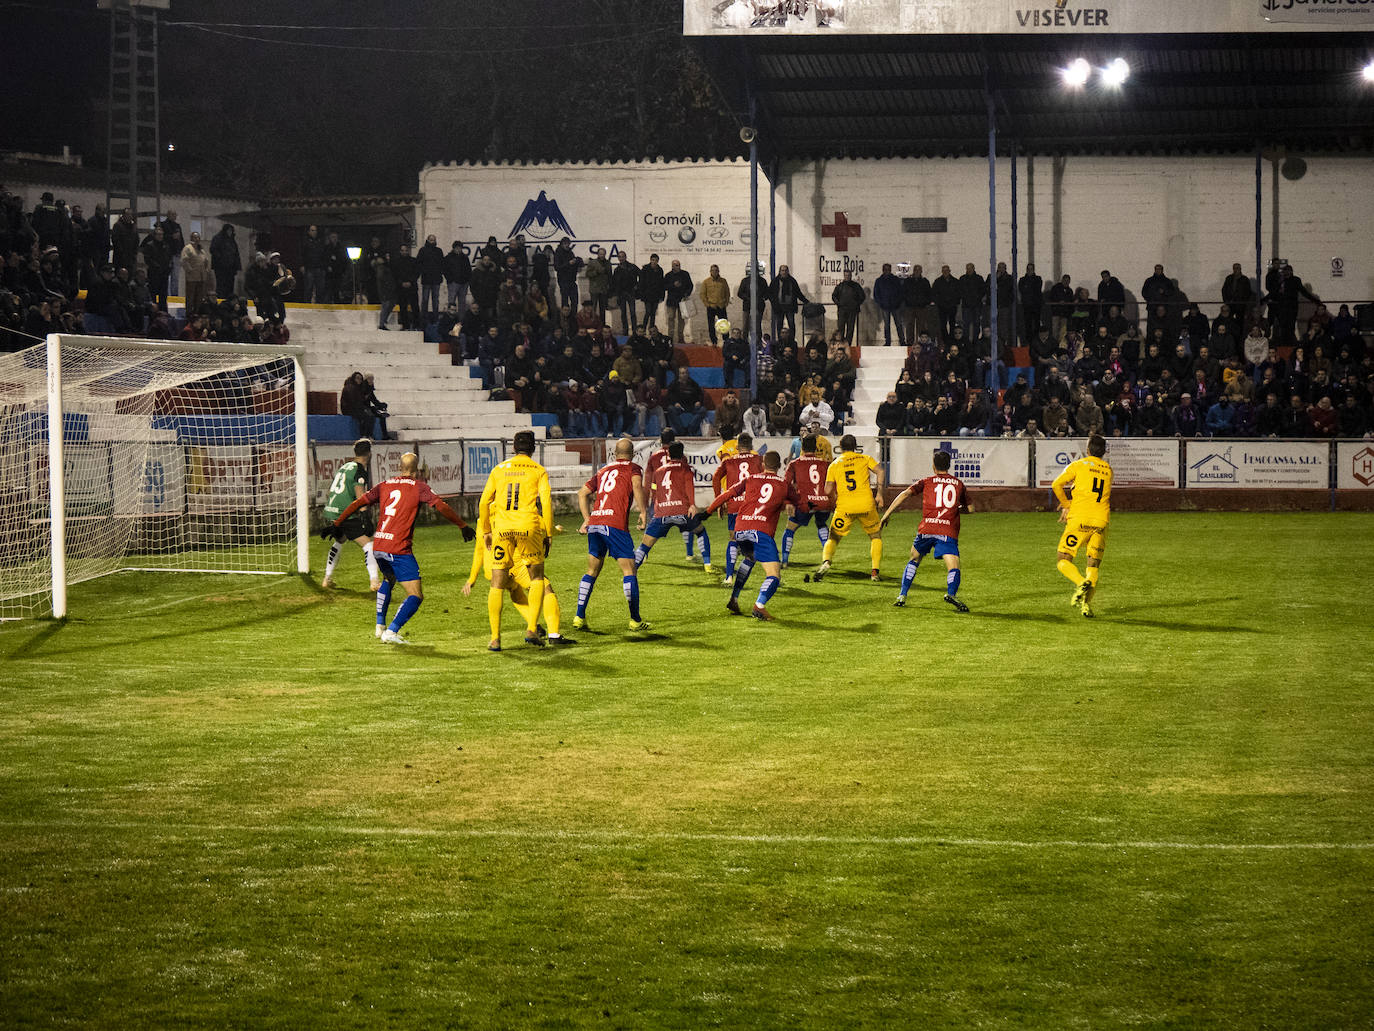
(708, 568)
(729, 581)
(821, 570)
(874, 576)
(900, 603)
(375, 585)
(328, 582)
(1088, 610)
(557, 639)
(380, 629)
(642, 624)
(762, 613)
(392, 637)
(1080, 596)
(959, 606)
(733, 605)
(533, 640)
(580, 624)
(494, 646)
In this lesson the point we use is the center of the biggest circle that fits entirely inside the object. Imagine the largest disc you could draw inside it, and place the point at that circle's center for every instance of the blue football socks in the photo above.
(631, 585)
(584, 591)
(952, 583)
(769, 588)
(909, 574)
(407, 609)
(383, 601)
(787, 545)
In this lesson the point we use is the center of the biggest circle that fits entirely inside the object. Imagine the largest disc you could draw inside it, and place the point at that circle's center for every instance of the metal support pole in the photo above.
(773, 221)
(1259, 219)
(1015, 256)
(57, 502)
(992, 226)
(302, 431)
(754, 299)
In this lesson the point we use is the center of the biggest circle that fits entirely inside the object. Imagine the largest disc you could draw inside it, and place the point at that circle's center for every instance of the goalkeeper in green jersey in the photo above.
(349, 483)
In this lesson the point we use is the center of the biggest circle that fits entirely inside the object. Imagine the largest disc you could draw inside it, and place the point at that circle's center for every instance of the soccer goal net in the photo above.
(131, 454)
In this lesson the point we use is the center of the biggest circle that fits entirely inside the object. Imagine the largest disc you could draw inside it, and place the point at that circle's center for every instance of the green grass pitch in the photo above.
(222, 804)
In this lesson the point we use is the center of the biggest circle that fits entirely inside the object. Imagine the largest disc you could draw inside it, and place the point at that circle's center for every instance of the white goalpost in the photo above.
(124, 454)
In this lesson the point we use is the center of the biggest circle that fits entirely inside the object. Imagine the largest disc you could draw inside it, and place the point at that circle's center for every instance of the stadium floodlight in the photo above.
(1369, 72)
(1116, 73)
(354, 253)
(171, 456)
(1077, 73)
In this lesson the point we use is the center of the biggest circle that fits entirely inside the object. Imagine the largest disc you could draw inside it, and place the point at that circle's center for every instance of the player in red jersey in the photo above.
(733, 468)
(605, 502)
(806, 479)
(400, 498)
(656, 459)
(673, 491)
(943, 497)
(762, 497)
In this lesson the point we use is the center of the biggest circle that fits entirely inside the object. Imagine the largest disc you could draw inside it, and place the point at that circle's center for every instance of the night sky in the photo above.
(360, 94)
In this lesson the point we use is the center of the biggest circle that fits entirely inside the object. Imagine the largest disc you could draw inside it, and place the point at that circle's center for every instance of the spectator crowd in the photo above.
(598, 344)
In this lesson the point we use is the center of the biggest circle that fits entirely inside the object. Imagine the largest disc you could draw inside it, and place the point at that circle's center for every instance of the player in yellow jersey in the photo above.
(1085, 514)
(519, 591)
(516, 522)
(852, 499)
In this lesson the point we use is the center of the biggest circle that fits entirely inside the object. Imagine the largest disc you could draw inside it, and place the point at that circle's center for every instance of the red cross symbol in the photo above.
(841, 231)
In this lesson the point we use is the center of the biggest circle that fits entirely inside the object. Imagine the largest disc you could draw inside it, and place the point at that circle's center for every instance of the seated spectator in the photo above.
(1323, 417)
(1221, 418)
(944, 419)
(617, 404)
(729, 416)
(648, 408)
(1055, 417)
(1150, 418)
(353, 403)
(973, 420)
(891, 418)
(627, 368)
(818, 411)
(920, 417)
(1353, 421)
(1088, 417)
(686, 404)
(1297, 423)
(375, 405)
(1185, 419)
(1031, 432)
(782, 415)
(755, 420)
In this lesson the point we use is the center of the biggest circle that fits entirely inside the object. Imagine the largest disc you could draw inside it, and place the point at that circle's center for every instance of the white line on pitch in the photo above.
(630, 838)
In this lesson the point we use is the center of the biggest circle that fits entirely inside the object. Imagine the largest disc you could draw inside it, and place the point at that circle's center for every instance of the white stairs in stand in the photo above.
(878, 371)
(430, 398)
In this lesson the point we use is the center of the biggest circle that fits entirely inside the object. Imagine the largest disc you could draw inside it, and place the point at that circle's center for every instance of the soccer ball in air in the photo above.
(723, 326)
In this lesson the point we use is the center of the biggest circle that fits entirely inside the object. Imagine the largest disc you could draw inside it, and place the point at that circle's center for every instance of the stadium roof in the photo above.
(925, 96)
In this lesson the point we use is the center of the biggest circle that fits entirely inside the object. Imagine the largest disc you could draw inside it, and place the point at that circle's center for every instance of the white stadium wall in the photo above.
(1076, 215)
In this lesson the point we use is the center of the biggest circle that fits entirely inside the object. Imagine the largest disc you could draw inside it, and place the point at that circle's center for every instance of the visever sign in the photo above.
(1018, 17)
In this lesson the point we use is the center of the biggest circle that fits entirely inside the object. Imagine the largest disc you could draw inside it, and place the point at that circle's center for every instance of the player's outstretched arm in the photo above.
(367, 499)
(897, 503)
(442, 507)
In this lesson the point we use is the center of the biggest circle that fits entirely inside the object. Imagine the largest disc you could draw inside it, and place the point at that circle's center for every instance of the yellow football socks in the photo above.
(553, 612)
(875, 551)
(1091, 575)
(828, 552)
(1070, 572)
(495, 598)
(536, 605)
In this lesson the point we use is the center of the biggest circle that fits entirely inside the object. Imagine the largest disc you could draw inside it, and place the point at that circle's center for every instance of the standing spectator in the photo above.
(849, 297)
(336, 270)
(565, 266)
(406, 271)
(946, 292)
(174, 239)
(384, 287)
(887, 294)
(785, 296)
(370, 254)
(124, 240)
(651, 289)
(973, 298)
(1283, 301)
(315, 265)
(157, 257)
(916, 300)
(95, 244)
(625, 287)
(1110, 292)
(430, 264)
(226, 261)
(753, 284)
(1238, 293)
(715, 295)
(1004, 294)
(599, 281)
(195, 270)
(486, 285)
(1061, 307)
(458, 273)
(1158, 289)
(677, 287)
(1031, 293)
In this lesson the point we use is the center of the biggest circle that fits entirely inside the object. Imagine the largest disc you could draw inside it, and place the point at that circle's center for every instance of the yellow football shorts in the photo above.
(516, 547)
(1077, 534)
(871, 522)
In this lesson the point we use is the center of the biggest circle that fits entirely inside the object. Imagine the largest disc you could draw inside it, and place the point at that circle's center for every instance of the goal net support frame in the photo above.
(136, 390)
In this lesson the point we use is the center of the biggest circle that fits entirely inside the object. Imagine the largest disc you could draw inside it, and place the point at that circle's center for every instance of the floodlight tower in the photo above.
(133, 158)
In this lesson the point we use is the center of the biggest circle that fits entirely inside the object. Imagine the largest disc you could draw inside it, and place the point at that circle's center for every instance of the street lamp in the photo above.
(354, 253)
